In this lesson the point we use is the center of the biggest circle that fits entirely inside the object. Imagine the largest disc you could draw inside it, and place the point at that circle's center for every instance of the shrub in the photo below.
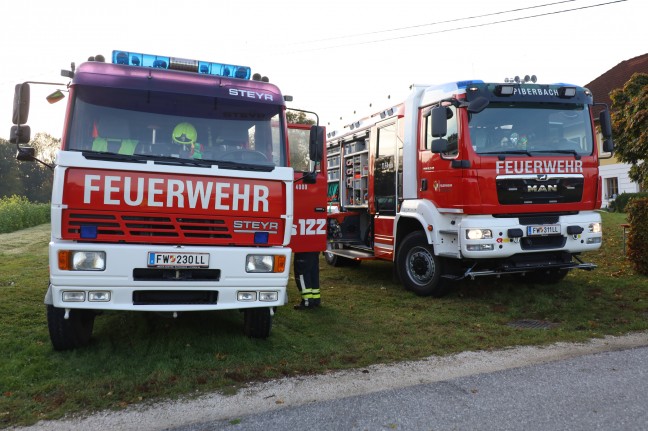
(620, 203)
(638, 235)
(16, 212)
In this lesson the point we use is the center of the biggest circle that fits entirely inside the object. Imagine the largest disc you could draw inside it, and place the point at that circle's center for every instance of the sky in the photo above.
(343, 59)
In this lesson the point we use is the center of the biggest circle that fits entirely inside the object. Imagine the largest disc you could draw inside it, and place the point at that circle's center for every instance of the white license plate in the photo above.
(548, 229)
(178, 260)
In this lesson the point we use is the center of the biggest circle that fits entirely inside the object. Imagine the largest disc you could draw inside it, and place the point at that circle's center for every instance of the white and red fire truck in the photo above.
(173, 192)
(469, 179)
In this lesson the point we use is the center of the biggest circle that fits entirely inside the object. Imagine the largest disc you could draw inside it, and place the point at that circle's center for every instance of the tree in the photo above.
(29, 179)
(10, 176)
(630, 126)
(298, 140)
(298, 117)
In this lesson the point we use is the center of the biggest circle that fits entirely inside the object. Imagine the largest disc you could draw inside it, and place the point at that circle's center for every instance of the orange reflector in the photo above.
(64, 260)
(430, 228)
(279, 263)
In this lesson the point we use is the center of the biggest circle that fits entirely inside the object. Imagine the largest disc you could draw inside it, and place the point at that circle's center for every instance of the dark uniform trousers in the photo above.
(306, 268)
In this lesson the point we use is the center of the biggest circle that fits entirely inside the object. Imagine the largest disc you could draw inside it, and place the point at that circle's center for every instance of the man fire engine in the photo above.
(173, 192)
(470, 179)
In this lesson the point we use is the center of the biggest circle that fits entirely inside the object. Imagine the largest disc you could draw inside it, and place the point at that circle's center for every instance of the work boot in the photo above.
(306, 305)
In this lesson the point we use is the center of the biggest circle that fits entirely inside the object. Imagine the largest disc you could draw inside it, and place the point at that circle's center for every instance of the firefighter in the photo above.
(185, 135)
(307, 278)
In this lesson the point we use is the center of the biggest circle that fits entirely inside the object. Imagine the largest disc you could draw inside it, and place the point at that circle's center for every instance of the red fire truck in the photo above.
(469, 179)
(173, 191)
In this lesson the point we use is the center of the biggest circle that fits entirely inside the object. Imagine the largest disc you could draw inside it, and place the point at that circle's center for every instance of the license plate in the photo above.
(549, 229)
(178, 260)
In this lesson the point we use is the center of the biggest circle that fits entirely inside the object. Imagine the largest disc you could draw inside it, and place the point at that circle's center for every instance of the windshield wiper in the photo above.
(572, 152)
(505, 152)
(267, 167)
(96, 155)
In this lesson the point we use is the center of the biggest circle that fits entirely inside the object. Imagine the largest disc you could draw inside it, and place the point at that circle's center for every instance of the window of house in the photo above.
(611, 188)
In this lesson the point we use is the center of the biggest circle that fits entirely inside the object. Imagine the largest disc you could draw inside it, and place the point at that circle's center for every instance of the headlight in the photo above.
(78, 260)
(594, 228)
(265, 263)
(479, 234)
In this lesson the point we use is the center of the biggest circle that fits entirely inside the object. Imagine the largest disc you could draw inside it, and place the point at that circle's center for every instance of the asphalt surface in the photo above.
(599, 385)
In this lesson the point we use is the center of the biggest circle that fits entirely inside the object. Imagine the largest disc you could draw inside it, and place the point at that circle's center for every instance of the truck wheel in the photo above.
(257, 322)
(418, 268)
(70, 333)
(332, 259)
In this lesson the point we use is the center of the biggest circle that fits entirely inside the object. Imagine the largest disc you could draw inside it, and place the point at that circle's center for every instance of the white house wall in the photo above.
(620, 171)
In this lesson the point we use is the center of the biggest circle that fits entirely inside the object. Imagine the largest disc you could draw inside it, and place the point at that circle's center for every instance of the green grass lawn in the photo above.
(366, 318)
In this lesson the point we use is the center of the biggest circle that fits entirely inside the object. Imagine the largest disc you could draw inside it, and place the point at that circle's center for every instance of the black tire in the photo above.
(418, 268)
(70, 333)
(332, 259)
(545, 276)
(257, 322)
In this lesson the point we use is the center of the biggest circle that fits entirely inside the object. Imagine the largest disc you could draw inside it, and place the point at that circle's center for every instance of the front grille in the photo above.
(166, 274)
(185, 297)
(539, 189)
(146, 228)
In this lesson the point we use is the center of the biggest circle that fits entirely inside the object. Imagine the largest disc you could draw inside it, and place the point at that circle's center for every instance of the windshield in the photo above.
(537, 129)
(142, 124)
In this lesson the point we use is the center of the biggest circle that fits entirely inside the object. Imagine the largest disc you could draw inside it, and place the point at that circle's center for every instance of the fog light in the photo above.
(73, 296)
(98, 296)
(595, 240)
(246, 296)
(268, 296)
(480, 247)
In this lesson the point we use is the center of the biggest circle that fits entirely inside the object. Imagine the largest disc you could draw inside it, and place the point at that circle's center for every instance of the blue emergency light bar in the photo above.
(173, 63)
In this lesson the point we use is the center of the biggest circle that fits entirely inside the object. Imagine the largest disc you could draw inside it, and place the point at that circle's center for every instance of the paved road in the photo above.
(597, 385)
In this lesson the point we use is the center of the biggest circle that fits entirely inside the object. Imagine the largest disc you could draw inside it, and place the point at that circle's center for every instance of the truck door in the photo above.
(441, 181)
(309, 222)
(385, 185)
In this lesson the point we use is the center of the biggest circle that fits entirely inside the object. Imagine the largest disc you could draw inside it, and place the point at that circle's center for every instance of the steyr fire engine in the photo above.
(173, 191)
(469, 179)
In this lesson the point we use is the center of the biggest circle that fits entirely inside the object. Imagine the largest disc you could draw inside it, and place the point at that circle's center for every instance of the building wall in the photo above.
(619, 171)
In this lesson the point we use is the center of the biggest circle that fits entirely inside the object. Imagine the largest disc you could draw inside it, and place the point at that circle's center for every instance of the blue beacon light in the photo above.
(174, 63)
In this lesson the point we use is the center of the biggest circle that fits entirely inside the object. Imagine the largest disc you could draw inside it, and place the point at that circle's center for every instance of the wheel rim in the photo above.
(420, 265)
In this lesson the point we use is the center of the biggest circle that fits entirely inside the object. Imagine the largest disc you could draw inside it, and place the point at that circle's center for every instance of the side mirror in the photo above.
(20, 134)
(316, 143)
(608, 145)
(310, 178)
(440, 145)
(606, 124)
(26, 154)
(21, 104)
(439, 118)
